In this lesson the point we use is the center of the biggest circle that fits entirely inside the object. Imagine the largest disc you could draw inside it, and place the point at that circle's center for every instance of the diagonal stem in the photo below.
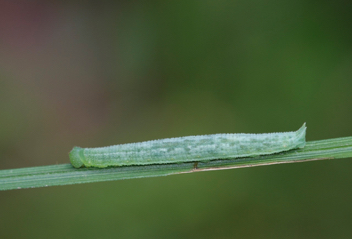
(65, 174)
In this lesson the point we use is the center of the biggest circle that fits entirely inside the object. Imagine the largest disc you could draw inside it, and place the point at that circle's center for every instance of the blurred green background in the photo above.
(97, 73)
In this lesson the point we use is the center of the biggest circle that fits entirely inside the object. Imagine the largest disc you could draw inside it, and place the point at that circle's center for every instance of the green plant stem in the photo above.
(65, 174)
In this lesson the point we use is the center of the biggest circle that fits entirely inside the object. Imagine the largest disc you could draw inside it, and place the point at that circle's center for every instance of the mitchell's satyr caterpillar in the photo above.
(188, 149)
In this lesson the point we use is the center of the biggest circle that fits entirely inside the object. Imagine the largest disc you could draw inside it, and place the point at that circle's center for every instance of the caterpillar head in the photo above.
(76, 157)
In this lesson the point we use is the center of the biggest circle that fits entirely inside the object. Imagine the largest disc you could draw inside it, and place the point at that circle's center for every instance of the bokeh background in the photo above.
(97, 73)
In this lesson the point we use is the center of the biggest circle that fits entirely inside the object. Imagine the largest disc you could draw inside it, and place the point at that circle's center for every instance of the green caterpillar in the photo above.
(188, 149)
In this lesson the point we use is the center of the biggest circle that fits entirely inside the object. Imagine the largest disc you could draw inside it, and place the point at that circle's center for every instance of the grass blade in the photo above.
(65, 174)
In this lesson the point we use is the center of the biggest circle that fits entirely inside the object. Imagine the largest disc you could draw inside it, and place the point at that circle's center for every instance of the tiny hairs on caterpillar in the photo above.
(188, 149)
